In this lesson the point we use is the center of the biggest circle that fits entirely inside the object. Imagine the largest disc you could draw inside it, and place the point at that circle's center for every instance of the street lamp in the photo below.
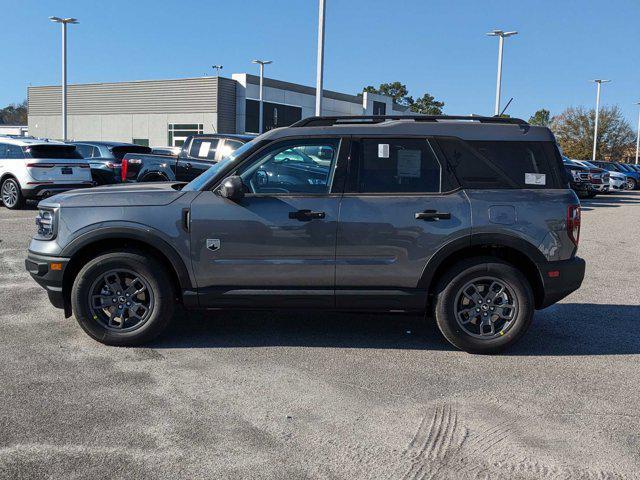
(599, 82)
(64, 22)
(217, 68)
(501, 36)
(638, 138)
(320, 64)
(262, 63)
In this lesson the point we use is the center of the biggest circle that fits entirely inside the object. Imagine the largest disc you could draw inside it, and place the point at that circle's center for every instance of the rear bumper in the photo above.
(559, 279)
(48, 276)
(48, 189)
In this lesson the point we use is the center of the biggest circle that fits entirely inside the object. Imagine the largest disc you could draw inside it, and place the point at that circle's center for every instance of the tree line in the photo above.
(14, 114)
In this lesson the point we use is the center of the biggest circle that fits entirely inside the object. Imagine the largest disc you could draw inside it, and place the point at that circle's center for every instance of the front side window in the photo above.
(204, 148)
(398, 165)
(287, 168)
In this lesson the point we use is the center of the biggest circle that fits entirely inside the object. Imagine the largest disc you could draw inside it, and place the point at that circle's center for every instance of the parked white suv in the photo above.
(36, 169)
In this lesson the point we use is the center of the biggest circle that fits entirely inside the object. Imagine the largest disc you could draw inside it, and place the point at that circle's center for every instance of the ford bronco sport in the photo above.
(465, 219)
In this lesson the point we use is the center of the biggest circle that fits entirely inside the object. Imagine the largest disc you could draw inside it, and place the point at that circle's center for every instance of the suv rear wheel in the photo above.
(123, 298)
(11, 194)
(484, 305)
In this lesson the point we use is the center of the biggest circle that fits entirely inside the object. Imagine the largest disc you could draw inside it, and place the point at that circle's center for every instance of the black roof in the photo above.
(105, 144)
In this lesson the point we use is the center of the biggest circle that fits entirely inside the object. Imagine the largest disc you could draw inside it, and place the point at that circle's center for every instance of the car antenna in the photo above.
(506, 106)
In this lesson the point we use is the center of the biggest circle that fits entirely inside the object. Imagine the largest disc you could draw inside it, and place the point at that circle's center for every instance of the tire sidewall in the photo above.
(159, 283)
(465, 272)
(20, 200)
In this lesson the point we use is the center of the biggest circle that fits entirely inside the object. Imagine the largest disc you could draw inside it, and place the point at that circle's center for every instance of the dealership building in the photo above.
(165, 112)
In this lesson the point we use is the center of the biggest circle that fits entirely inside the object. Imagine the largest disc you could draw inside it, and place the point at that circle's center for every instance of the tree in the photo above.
(426, 104)
(14, 114)
(574, 128)
(542, 118)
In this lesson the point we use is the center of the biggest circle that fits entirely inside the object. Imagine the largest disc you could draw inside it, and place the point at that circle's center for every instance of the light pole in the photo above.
(262, 63)
(320, 64)
(217, 68)
(638, 138)
(501, 36)
(599, 83)
(64, 22)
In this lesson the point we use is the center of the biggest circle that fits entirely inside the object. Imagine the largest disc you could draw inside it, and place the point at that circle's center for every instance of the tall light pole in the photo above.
(501, 36)
(217, 68)
(599, 83)
(262, 63)
(638, 138)
(64, 22)
(320, 64)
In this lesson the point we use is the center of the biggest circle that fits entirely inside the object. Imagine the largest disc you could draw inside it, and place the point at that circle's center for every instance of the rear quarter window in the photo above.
(504, 164)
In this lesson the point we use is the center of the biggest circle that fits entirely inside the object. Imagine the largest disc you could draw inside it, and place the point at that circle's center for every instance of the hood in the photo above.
(617, 175)
(126, 195)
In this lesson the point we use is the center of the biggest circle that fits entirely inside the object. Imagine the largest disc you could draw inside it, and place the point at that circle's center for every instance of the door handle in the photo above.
(187, 166)
(306, 215)
(431, 215)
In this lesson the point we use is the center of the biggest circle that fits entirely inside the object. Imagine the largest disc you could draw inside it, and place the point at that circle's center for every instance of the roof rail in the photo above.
(373, 119)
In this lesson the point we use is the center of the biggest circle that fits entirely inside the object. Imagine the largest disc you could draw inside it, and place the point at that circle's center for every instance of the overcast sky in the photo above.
(433, 46)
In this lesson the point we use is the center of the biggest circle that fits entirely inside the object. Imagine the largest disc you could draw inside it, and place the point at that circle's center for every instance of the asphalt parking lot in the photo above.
(249, 395)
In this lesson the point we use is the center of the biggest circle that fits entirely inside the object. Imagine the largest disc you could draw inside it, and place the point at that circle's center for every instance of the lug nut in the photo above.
(128, 304)
(477, 309)
(113, 300)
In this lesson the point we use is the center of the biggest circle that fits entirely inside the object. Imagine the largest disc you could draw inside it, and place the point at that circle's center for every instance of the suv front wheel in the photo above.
(123, 298)
(484, 305)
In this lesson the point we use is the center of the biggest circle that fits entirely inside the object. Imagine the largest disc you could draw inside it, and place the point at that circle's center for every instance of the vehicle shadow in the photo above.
(610, 200)
(563, 329)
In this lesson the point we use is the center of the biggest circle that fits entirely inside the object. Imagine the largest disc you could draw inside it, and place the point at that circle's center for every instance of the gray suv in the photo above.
(468, 220)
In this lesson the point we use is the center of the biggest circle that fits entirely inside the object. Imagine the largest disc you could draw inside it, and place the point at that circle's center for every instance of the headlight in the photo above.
(46, 223)
(576, 175)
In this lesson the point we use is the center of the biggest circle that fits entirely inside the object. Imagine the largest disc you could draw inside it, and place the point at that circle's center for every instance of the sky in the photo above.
(432, 46)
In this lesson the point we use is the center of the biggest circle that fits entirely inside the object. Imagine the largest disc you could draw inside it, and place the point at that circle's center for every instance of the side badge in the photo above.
(213, 244)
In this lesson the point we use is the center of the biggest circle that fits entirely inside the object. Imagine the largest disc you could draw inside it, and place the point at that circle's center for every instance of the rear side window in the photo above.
(398, 165)
(503, 164)
(53, 151)
(204, 148)
(10, 151)
(86, 151)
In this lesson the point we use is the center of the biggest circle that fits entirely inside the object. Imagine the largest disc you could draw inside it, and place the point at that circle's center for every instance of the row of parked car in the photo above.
(49, 167)
(32, 168)
(589, 179)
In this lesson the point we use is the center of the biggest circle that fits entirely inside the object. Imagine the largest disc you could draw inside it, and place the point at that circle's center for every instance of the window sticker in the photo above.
(535, 179)
(409, 163)
(204, 149)
(383, 150)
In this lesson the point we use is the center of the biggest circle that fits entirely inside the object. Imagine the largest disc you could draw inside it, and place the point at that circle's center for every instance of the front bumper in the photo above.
(48, 189)
(559, 279)
(48, 272)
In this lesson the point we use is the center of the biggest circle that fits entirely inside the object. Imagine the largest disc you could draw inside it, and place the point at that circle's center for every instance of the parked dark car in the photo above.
(579, 178)
(198, 153)
(105, 158)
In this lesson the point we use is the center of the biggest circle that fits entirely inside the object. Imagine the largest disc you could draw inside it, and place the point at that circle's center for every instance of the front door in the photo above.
(399, 207)
(276, 246)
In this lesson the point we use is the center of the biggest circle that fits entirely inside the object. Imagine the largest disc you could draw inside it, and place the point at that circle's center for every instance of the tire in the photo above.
(484, 270)
(631, 184)
(158, 302)
(11, 194)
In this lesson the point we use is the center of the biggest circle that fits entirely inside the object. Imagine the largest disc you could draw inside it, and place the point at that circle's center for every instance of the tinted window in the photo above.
(53, 151)
(391, 165)
(204, 148)
(86, 151)
(274, 115)
(286, 169)
(121, 150)
(13, 151)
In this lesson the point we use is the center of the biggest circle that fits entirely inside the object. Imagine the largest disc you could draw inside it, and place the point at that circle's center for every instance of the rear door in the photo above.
(56, 163)
(201, 155)
(400, 206)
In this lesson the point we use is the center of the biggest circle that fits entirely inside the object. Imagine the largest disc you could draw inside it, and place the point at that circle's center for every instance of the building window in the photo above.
(178, 132)
(274, 115)
(379, 108)
(141, 141)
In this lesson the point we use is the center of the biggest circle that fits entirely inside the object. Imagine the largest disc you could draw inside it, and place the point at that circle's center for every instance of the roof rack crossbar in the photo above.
(373, 119)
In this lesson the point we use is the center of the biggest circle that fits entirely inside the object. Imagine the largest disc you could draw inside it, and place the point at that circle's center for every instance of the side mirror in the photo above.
(232, 188)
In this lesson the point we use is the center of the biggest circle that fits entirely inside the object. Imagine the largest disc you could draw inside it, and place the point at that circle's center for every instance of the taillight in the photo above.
(123, 170)
(573, 223)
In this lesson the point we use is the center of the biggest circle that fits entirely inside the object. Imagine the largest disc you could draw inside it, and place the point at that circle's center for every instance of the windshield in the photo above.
(200, 181)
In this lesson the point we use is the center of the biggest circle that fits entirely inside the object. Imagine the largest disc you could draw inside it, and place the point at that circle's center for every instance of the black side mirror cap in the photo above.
(232, 188)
